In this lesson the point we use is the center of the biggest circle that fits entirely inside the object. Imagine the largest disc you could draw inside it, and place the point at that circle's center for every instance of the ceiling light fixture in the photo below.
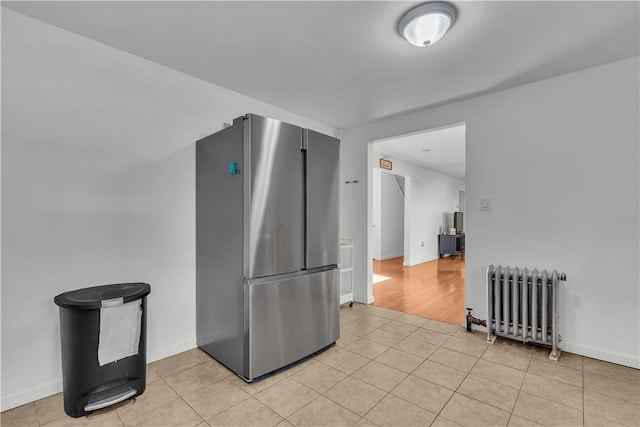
(426, 24)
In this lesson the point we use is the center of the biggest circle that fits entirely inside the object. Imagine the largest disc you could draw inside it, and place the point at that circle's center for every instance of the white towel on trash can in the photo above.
(120, 327)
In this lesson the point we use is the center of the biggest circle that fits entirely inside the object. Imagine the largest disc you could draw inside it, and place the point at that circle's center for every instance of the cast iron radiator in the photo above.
(523, 305)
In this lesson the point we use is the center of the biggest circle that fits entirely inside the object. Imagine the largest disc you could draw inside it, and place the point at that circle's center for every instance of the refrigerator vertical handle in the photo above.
(304, 144)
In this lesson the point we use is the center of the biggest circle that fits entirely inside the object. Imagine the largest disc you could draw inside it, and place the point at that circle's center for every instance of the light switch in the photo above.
(484, 205)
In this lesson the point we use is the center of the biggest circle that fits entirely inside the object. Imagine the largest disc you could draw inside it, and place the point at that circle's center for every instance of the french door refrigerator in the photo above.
(267, 283)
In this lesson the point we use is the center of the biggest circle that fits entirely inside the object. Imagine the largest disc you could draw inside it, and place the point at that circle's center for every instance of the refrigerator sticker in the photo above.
(233, 168)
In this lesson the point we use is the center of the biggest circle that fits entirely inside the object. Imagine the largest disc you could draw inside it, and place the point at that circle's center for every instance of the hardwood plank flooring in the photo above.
(433, 289)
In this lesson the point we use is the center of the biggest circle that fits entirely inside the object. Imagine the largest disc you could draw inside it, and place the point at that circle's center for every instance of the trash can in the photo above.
(103, 336)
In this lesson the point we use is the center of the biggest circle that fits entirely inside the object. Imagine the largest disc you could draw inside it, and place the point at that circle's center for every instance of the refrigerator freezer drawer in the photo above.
(290, 319)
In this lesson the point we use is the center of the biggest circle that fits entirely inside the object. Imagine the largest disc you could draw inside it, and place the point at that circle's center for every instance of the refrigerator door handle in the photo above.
(304, 144)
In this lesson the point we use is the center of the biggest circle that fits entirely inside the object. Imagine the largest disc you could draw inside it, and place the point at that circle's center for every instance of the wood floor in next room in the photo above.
(433, 289)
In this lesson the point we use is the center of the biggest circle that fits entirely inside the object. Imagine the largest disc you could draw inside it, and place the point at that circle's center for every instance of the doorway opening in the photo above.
(418, 187)
(388, 214)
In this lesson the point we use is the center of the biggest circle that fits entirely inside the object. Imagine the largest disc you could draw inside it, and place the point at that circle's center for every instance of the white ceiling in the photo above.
(446, 150)
(342, 62)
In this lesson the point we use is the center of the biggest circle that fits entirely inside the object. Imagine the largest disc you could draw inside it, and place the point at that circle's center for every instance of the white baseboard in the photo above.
(420, 261)
(363, 300)
(152, 356)
(30, 395)
(596, 353)
(382, 258)
(54, 387)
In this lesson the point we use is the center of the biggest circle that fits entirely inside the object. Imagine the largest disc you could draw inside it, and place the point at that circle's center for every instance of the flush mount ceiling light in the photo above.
(426, 24)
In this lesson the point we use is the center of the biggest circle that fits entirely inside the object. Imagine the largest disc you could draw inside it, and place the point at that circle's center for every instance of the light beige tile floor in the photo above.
(387, 369)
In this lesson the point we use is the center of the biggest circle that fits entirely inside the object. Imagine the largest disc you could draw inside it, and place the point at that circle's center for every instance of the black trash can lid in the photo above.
(90, 298)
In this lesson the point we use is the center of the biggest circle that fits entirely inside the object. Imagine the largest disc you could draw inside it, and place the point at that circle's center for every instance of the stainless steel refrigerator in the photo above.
(267, 283)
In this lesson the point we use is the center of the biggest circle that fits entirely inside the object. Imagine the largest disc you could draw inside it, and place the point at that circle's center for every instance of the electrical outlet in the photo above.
(422, 244)
(485, 205)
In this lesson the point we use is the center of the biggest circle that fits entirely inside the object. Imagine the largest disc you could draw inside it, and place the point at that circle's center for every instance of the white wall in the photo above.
(558, 160)
(391, 226)
(353, 225)
(375, 212)
(98, 186)
(429, 196)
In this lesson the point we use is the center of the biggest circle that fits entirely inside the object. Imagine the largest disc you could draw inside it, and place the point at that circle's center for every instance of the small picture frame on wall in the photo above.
(385, 164)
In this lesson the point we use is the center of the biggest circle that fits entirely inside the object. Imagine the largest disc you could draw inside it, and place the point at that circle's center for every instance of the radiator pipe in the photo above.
(473, 320)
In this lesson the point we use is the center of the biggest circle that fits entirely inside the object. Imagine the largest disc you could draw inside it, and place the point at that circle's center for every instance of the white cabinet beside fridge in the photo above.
(346, 271)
